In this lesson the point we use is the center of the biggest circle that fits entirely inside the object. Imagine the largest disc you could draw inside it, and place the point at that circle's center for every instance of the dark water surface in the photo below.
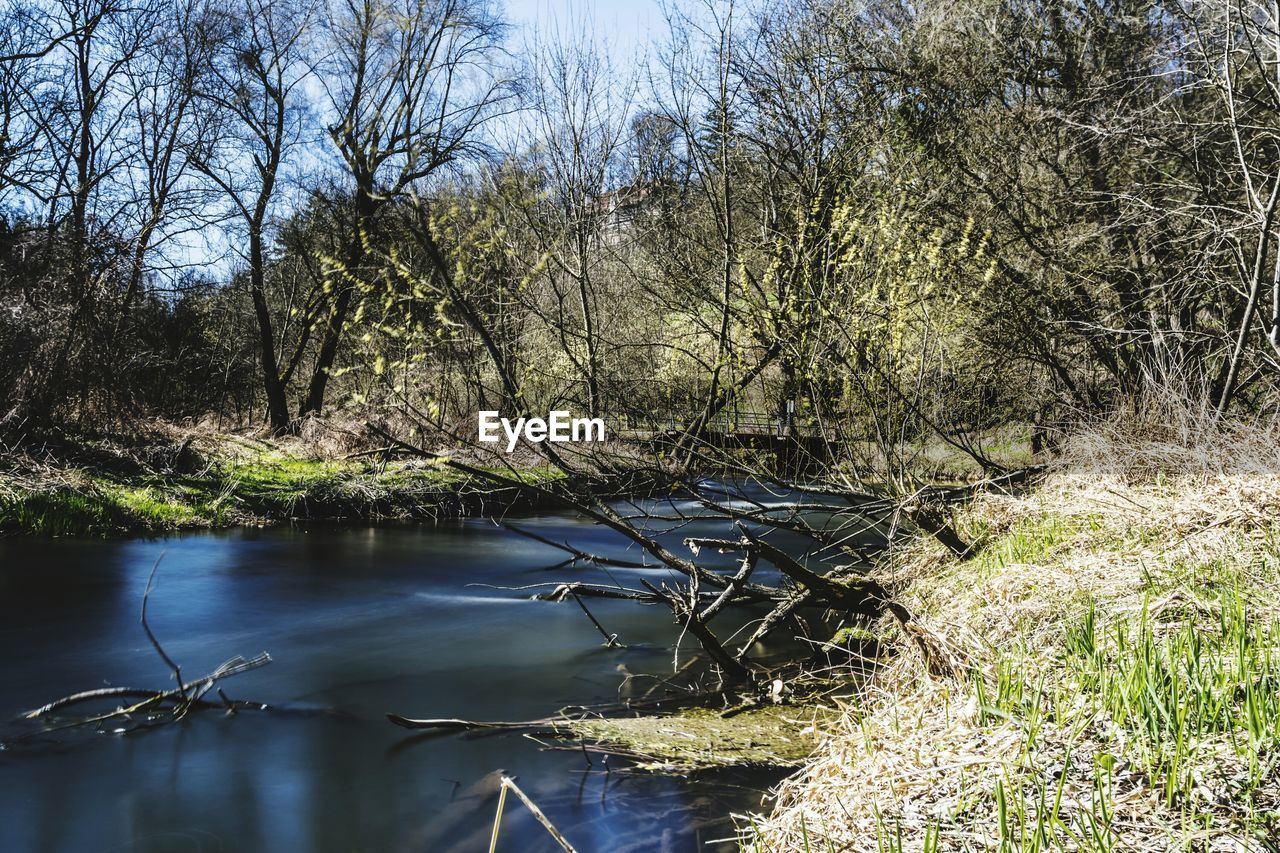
(359, 622)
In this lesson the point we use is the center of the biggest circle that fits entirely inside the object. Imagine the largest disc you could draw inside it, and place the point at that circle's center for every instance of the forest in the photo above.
(905, 218)
(960, 320)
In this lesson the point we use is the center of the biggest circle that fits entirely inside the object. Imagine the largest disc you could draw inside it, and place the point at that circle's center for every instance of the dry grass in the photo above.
(1122, 628)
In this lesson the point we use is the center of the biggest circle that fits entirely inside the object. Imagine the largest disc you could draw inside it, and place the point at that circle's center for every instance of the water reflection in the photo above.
(360, 622)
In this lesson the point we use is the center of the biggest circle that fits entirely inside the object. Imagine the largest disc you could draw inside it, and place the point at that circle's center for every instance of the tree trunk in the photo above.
(277, 405)
(314, 401)
(366, 207)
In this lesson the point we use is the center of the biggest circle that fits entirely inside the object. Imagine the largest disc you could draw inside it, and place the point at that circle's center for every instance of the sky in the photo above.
(627, 26)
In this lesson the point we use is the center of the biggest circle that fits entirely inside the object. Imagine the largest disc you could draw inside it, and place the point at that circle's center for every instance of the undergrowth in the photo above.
(1119, 641)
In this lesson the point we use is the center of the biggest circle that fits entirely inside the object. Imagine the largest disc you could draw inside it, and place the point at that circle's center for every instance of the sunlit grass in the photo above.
(101, 509)
(1029, 541)
(247, 488)
(1186, 689)
(60, 513)
(1119, 692)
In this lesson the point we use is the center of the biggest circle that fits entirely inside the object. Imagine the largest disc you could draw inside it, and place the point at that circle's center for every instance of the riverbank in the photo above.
(1116, 667)
(167, 480)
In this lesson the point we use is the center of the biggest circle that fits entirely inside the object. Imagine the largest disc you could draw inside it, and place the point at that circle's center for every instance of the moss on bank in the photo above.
(700, 738)
(239, 482)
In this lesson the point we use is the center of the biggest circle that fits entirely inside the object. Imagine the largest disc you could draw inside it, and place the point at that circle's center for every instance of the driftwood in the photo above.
(775, 618)
(174, 703)
(562, 591)
(575, 554)
(857, 595)
(860, 596)
(582, 590)
(703, 592)
(559, 723)
(146, 595)
(90, 695)
(191, 693)
(610, 640)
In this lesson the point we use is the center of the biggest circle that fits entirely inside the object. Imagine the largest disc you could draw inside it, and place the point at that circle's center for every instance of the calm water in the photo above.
(359, 623)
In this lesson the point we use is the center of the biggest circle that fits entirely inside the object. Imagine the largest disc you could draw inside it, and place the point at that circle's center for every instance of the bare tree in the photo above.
(27, 39)
(1234, 54)
(257, 87)
(168, 122)
(82, 136)
(408, 84)
(577, 106)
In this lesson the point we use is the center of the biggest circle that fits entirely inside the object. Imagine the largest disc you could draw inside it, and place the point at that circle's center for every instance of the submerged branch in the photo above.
(577, 554)
(155, 644)
(185, 697)
(188, 694)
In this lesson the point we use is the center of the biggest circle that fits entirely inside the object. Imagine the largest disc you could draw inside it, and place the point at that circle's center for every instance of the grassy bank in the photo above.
(1112, 670)
(103, 487)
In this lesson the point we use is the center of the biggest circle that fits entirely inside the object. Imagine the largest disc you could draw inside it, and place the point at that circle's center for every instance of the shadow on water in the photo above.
(359, 622)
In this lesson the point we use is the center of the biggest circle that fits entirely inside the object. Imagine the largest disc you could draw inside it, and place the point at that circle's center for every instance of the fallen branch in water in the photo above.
(564, 590)
(190, 694)
(174, 703)
(564, 718)
(155, 644)
(581, 590)
(576, 555)
(610, 640)
(451, 724)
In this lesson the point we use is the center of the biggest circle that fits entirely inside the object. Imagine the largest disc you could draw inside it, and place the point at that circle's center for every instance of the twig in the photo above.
(146, 594)
(450, 724)
(610, 640)
(235, 666)
(497, 817)
(577, 554)
(89, 695)
(507, 782)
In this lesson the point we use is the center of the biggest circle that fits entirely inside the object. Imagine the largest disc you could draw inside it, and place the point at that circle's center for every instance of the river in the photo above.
(359, 622)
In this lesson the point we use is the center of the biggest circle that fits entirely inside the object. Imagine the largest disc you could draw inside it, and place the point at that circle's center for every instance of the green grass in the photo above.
(1030, 540)
(1121, 688)
(265, 486)
(1196, 699)
(1195, 694)
(49, 514)
(101, 509)
(1201, 683)
(157, 509)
